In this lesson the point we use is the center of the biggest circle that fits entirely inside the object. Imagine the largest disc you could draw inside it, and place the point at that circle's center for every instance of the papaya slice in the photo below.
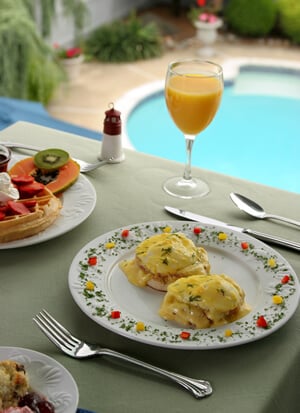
(59, 180)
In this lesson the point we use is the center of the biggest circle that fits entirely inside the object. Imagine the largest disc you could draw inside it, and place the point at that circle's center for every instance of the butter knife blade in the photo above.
(256, 234)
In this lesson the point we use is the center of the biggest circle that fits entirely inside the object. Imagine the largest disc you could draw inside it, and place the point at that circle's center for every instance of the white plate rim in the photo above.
(51, 370)
(244, 330)
(79, 202)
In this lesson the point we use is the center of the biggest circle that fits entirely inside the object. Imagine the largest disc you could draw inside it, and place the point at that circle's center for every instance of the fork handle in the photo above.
(13, 145)
(199, 388)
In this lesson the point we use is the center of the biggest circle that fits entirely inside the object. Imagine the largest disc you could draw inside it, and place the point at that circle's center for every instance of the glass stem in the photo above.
(189, 141)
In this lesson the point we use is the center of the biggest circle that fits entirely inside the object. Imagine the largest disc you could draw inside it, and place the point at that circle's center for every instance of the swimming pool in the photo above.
(254, 136)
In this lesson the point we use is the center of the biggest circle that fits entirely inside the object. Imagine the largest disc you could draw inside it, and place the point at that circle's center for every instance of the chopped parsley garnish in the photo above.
(194, 298)
(166, 251)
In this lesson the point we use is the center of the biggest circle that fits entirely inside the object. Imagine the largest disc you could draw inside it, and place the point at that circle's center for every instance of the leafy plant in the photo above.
(28, 69)
(251, 18)
(124, 41)
(76, 9)
(289, 19)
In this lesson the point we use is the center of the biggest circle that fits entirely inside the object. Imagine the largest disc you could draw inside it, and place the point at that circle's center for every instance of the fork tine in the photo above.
(61, 330)
(56, 333)
(50, 334)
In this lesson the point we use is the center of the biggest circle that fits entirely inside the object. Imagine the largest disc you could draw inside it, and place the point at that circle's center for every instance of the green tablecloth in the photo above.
(258, 377)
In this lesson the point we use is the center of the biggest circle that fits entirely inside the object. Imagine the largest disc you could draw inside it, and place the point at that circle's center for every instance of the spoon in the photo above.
(255, 210)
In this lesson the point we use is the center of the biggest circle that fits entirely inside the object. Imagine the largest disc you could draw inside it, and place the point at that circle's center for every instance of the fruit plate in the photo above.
(47, 377)
(121, 307)
(78, 203)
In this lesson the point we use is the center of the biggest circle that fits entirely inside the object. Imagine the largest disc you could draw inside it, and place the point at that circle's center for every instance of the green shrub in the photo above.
(289, 19)
(27, 70)
(124, 41)
(252, 18)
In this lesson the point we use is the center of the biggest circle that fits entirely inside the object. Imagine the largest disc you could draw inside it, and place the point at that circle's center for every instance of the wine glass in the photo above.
(193, 92)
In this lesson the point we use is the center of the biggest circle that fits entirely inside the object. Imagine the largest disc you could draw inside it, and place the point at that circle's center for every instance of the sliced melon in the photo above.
(62, 179)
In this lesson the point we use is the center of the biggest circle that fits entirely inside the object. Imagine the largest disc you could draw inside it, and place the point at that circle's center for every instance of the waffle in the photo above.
(42, 214)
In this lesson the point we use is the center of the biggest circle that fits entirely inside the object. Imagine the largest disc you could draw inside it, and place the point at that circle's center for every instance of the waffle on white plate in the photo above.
(25, 217)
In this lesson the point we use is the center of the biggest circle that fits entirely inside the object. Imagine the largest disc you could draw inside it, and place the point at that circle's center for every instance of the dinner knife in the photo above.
(259, 235)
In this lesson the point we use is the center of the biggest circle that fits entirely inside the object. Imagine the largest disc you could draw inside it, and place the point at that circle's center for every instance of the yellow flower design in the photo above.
(222, 236)
(272, 262)
(110, 245)
(89, 285)
(277, 299)
(140, 326)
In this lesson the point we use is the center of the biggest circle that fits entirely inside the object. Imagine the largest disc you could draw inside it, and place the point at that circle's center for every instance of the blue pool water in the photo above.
(254, 136)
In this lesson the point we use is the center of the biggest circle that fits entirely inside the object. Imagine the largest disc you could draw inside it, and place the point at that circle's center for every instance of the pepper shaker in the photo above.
(111, 149)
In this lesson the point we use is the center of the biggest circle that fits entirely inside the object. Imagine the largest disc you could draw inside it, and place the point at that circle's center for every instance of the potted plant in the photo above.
(207, 22)
(71, 60)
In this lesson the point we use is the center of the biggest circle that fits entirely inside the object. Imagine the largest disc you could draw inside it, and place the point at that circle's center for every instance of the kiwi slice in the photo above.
(51, 159)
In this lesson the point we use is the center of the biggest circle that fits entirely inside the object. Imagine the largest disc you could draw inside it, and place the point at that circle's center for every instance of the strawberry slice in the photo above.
(30, 190)
(17, 208)
(22, 179)
(3, 208)
(30, 203)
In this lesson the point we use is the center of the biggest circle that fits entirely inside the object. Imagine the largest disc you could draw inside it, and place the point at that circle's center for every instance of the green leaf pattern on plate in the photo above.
(113, 247)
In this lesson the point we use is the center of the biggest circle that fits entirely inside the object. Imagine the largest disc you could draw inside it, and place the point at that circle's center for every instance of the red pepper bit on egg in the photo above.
(92, 260)
(115, 314)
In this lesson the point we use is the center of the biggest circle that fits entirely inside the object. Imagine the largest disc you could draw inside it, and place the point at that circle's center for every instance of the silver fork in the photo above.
(76, 348)
(84, 166)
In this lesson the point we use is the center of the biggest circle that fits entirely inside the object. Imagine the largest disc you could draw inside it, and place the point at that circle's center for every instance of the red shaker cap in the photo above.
(112, 121)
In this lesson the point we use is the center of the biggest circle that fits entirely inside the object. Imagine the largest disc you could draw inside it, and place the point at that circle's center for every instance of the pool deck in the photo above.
(84, 101)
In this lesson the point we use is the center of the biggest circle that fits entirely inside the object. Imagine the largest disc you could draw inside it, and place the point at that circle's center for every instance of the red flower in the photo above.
(92, 260)
(115, 314)
(201, 3)
(73, 52)
(285, 279)
(67, 53)
(262, 322)
(245, 245)
(125, 233)
(185, 335)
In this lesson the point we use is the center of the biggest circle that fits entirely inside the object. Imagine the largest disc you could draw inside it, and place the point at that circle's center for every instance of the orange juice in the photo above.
(193, 101)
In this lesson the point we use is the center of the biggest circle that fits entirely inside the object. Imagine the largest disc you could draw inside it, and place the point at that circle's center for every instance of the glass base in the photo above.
(187, 189)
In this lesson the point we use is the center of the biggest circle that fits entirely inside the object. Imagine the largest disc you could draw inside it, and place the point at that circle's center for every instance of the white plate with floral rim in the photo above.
(78, 203)
(118, 305)
(46, 377)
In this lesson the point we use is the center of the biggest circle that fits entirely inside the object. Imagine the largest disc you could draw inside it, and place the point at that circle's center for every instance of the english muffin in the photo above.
(163, 258)
(203, 301)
